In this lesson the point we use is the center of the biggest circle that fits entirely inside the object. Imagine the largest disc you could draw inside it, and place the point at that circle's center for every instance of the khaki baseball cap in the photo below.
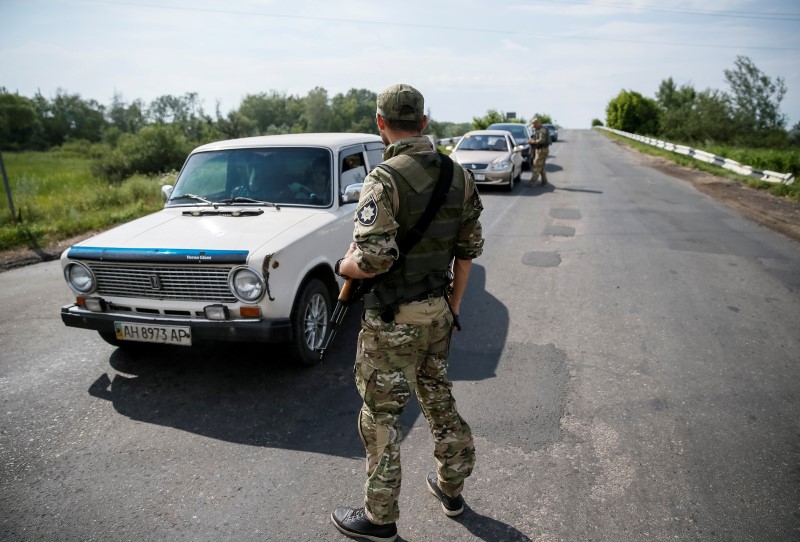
(401, 102)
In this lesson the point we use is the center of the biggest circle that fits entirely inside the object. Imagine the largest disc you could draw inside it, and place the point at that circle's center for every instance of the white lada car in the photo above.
(243, 250)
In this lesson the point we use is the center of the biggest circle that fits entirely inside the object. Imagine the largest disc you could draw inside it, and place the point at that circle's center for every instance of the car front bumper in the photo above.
(203, 330)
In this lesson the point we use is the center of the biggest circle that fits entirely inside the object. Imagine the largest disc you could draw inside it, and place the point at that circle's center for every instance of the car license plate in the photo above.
(148, 333)
(480, 176)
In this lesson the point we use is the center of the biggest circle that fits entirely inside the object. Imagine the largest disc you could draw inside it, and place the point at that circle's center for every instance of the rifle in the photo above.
(343, 303)
(351, 292)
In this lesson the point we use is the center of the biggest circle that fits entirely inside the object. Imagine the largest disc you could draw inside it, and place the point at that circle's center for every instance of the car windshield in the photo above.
(482, 143)
(280, 175)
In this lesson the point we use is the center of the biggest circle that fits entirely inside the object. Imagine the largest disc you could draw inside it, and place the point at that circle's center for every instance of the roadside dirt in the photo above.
(779, 214)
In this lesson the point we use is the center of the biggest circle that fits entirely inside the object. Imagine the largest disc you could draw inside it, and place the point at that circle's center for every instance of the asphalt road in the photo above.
(630, 366)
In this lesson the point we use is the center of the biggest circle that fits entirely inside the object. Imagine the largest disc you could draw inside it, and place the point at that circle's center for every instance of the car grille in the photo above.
(195, 283)
(474, 167)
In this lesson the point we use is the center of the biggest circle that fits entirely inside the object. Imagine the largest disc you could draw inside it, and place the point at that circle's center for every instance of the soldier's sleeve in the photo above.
(469, 243)
(375, 226)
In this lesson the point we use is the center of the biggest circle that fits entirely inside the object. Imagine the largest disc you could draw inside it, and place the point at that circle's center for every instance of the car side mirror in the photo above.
(352, 193)
(166, 192)
(519, 148)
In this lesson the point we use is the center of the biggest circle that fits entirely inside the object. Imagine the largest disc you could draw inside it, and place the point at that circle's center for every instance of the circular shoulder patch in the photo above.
(368, 213)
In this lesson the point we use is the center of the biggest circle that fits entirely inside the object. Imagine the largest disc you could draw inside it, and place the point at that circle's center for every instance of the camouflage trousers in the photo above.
(393, 360)
(538, 165)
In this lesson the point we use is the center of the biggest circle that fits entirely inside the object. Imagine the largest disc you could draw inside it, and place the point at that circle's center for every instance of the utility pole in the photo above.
(8, 189)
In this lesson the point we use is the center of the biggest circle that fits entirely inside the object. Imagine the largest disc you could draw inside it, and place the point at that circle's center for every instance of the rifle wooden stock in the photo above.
(346, 291)
(339, 312)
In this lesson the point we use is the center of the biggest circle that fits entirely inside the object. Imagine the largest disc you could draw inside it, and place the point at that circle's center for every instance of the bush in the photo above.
(596, 122)
(631, 112)
(152, 150)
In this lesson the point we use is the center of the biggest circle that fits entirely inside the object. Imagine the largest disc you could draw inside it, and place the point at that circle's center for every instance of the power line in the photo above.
(689, 11)
(482, 30)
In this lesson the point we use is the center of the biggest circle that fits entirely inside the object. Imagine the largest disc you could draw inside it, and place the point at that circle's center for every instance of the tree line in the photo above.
(138, 137)
(748, 114)
(124, 137)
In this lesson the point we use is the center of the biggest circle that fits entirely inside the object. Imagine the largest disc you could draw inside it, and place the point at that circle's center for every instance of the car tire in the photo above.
(310, 320)
(514, 179)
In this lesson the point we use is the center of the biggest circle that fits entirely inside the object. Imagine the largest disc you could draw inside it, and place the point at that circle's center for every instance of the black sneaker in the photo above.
(452, 506)
(353, 522)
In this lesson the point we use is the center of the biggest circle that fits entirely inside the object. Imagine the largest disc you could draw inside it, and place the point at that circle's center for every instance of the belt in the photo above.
(436, 292)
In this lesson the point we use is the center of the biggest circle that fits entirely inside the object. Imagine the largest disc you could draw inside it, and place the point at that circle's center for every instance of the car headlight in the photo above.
(79, 277)
(500, 166)
(246, 284)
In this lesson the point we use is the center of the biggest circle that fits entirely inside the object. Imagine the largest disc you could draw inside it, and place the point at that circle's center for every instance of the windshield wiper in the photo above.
(242, 199)
(191, 196)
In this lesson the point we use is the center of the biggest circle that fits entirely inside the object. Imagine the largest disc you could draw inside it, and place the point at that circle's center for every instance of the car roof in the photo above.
(332, 140)
(487, 132)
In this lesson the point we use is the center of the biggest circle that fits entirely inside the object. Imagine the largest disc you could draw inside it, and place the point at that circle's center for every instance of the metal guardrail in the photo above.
(727, 163)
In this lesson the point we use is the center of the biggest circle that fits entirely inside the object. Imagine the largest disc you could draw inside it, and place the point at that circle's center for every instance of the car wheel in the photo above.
(310, 321)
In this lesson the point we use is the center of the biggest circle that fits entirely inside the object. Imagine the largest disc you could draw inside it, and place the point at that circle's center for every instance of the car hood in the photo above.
(172, 230)
(479, 157)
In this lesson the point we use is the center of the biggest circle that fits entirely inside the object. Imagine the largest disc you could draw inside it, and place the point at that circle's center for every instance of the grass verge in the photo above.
(56, 196)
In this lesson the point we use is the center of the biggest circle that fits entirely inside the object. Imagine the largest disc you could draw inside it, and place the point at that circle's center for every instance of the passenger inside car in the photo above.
(353, 170)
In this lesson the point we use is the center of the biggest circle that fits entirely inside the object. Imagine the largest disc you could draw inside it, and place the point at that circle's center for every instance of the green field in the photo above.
(57, 196)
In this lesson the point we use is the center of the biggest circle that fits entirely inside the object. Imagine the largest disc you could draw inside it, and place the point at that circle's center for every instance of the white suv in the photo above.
(243, 250)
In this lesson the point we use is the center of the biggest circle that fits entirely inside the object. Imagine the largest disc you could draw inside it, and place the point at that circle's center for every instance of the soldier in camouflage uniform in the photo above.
(408, 317)
(541, 143)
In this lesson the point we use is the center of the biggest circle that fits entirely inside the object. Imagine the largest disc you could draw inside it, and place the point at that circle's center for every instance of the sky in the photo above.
(566, 59)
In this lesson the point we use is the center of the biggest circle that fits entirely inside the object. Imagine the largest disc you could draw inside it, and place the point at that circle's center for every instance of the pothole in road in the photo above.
(542, 259)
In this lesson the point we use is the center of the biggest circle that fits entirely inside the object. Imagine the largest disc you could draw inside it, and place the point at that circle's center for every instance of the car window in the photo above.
(517, 130)
(352, 168)
(482, 143)
(500, 144)
(374, 154)
(286, 175)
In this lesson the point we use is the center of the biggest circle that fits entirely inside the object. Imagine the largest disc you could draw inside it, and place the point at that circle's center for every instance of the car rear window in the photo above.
(517, 130)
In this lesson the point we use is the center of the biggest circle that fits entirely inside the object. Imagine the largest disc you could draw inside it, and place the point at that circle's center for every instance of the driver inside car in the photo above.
(315, 188)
